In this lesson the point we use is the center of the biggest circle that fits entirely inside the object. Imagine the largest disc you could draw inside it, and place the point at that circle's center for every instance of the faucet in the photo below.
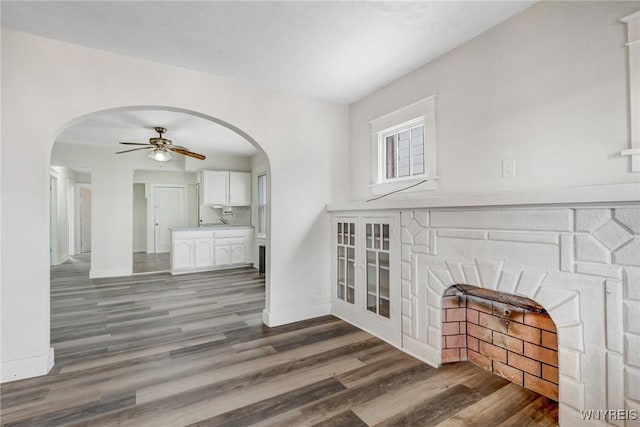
(224, 220)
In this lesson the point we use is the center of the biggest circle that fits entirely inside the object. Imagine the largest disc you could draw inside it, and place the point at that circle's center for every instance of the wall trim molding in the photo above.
(277, 318)
(13, 370)
(561, 196)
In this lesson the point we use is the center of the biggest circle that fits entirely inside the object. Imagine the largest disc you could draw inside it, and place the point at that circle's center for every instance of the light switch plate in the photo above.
(509, 168)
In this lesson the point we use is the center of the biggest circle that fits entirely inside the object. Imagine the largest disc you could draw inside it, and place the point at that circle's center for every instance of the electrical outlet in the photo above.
(508, 168)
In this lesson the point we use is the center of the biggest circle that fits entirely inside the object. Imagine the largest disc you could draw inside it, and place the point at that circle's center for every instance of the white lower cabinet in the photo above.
(202, 250)
(182, 255)
(366, 289)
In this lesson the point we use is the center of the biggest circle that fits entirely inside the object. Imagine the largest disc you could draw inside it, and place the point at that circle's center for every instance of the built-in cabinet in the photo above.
(366, 288)
(225, 188)
(203, 250)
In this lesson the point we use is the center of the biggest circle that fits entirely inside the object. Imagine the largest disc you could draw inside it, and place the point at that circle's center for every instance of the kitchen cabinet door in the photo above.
(222, 255)
(239, 189)
(203, 252)
(182, 256)
(215, 186)
(238, 254)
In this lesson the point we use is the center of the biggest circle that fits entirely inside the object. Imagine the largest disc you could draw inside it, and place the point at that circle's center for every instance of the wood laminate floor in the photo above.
(161, 350)
(151, 263)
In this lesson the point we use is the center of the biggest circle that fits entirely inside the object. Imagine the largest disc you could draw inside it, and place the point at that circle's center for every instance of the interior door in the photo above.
(169, 211)
(85, 220)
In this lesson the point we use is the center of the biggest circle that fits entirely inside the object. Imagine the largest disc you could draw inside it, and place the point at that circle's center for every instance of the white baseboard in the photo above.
(13, 370)
(116, 272)
(278, 318)
(428, 354)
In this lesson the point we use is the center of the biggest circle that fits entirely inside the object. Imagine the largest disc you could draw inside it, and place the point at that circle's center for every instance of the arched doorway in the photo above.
(88, 144)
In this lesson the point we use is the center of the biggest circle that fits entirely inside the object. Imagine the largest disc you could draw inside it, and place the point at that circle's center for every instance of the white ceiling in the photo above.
(338, 51)
(195, 133)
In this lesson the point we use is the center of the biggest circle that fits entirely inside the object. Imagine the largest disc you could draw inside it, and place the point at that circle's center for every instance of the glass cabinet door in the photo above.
(346, 261)
(377, 270)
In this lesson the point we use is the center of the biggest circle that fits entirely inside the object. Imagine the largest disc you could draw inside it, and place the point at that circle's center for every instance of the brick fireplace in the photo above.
(516, 340)
(580, 264)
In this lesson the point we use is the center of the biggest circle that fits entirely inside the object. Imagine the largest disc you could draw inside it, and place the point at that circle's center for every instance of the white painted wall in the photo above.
(139, 218)
(547, 87)
(304, 139)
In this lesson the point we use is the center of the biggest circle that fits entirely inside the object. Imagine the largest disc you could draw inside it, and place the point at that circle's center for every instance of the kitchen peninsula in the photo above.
(209, 248)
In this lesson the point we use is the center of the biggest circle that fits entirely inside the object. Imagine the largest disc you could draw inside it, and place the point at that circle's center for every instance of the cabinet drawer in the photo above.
(231, 233)
(196, 234)
(229, 241)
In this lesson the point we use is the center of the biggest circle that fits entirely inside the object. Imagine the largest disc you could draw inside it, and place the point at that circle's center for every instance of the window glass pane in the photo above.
(403, 153)
(417, 150)
(352, 234)
(383, 272)
(262, 204)
(369, 237)
(372, 285)
(390, 150)
(385, 237)
(350, 295)
(376, 236)
(339, 233)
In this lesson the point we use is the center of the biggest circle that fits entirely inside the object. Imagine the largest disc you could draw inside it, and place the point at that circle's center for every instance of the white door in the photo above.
(222, 255)
(85, 220)
(238, 254)
(169, 211)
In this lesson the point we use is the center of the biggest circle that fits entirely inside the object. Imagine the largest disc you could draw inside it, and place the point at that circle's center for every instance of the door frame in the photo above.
(150, 191)
(78, 216)
(53, 218)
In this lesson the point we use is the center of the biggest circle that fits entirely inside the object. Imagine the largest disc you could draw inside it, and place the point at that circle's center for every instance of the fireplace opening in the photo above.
(508, 335)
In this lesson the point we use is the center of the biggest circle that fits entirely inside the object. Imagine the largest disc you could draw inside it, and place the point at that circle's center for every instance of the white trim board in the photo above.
(612, 193)
(13, 370)
(278, 318)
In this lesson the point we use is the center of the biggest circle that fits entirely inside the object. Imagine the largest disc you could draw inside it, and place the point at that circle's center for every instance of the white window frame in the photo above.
(259, 232)
(633, 63)
(421, 112)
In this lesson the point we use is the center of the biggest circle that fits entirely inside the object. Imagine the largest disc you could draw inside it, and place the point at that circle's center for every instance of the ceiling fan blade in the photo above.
(188, 153)
(134, 143)
(134, 149)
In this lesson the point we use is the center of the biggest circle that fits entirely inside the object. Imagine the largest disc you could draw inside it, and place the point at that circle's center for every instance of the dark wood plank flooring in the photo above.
(162, 350)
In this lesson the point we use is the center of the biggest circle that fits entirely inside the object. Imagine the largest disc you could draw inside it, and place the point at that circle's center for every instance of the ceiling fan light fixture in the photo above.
(160, 155)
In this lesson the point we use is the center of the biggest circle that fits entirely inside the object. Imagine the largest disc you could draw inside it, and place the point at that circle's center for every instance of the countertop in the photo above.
(211, 227)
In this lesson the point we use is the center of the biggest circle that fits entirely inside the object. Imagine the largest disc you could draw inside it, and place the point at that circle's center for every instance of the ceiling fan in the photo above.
(161, 147)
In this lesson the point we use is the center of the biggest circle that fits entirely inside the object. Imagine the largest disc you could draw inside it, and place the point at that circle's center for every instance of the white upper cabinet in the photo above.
(225, 188)
(239, 188)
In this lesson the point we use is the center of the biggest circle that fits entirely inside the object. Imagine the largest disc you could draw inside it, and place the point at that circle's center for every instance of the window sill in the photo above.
(386, 187)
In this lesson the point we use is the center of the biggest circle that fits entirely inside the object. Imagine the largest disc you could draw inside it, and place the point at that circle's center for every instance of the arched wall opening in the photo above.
(48, 85)
(113, 176)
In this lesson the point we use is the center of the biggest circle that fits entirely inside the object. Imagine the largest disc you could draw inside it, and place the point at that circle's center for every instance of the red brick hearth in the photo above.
(518, 342)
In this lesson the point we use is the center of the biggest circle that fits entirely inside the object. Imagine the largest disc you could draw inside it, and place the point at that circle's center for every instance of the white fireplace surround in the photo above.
(581, 264)
(579, 259)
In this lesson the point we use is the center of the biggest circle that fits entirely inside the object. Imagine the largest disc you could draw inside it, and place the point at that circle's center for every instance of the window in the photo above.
(404, 148)
(262, 205)
(403, 151)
